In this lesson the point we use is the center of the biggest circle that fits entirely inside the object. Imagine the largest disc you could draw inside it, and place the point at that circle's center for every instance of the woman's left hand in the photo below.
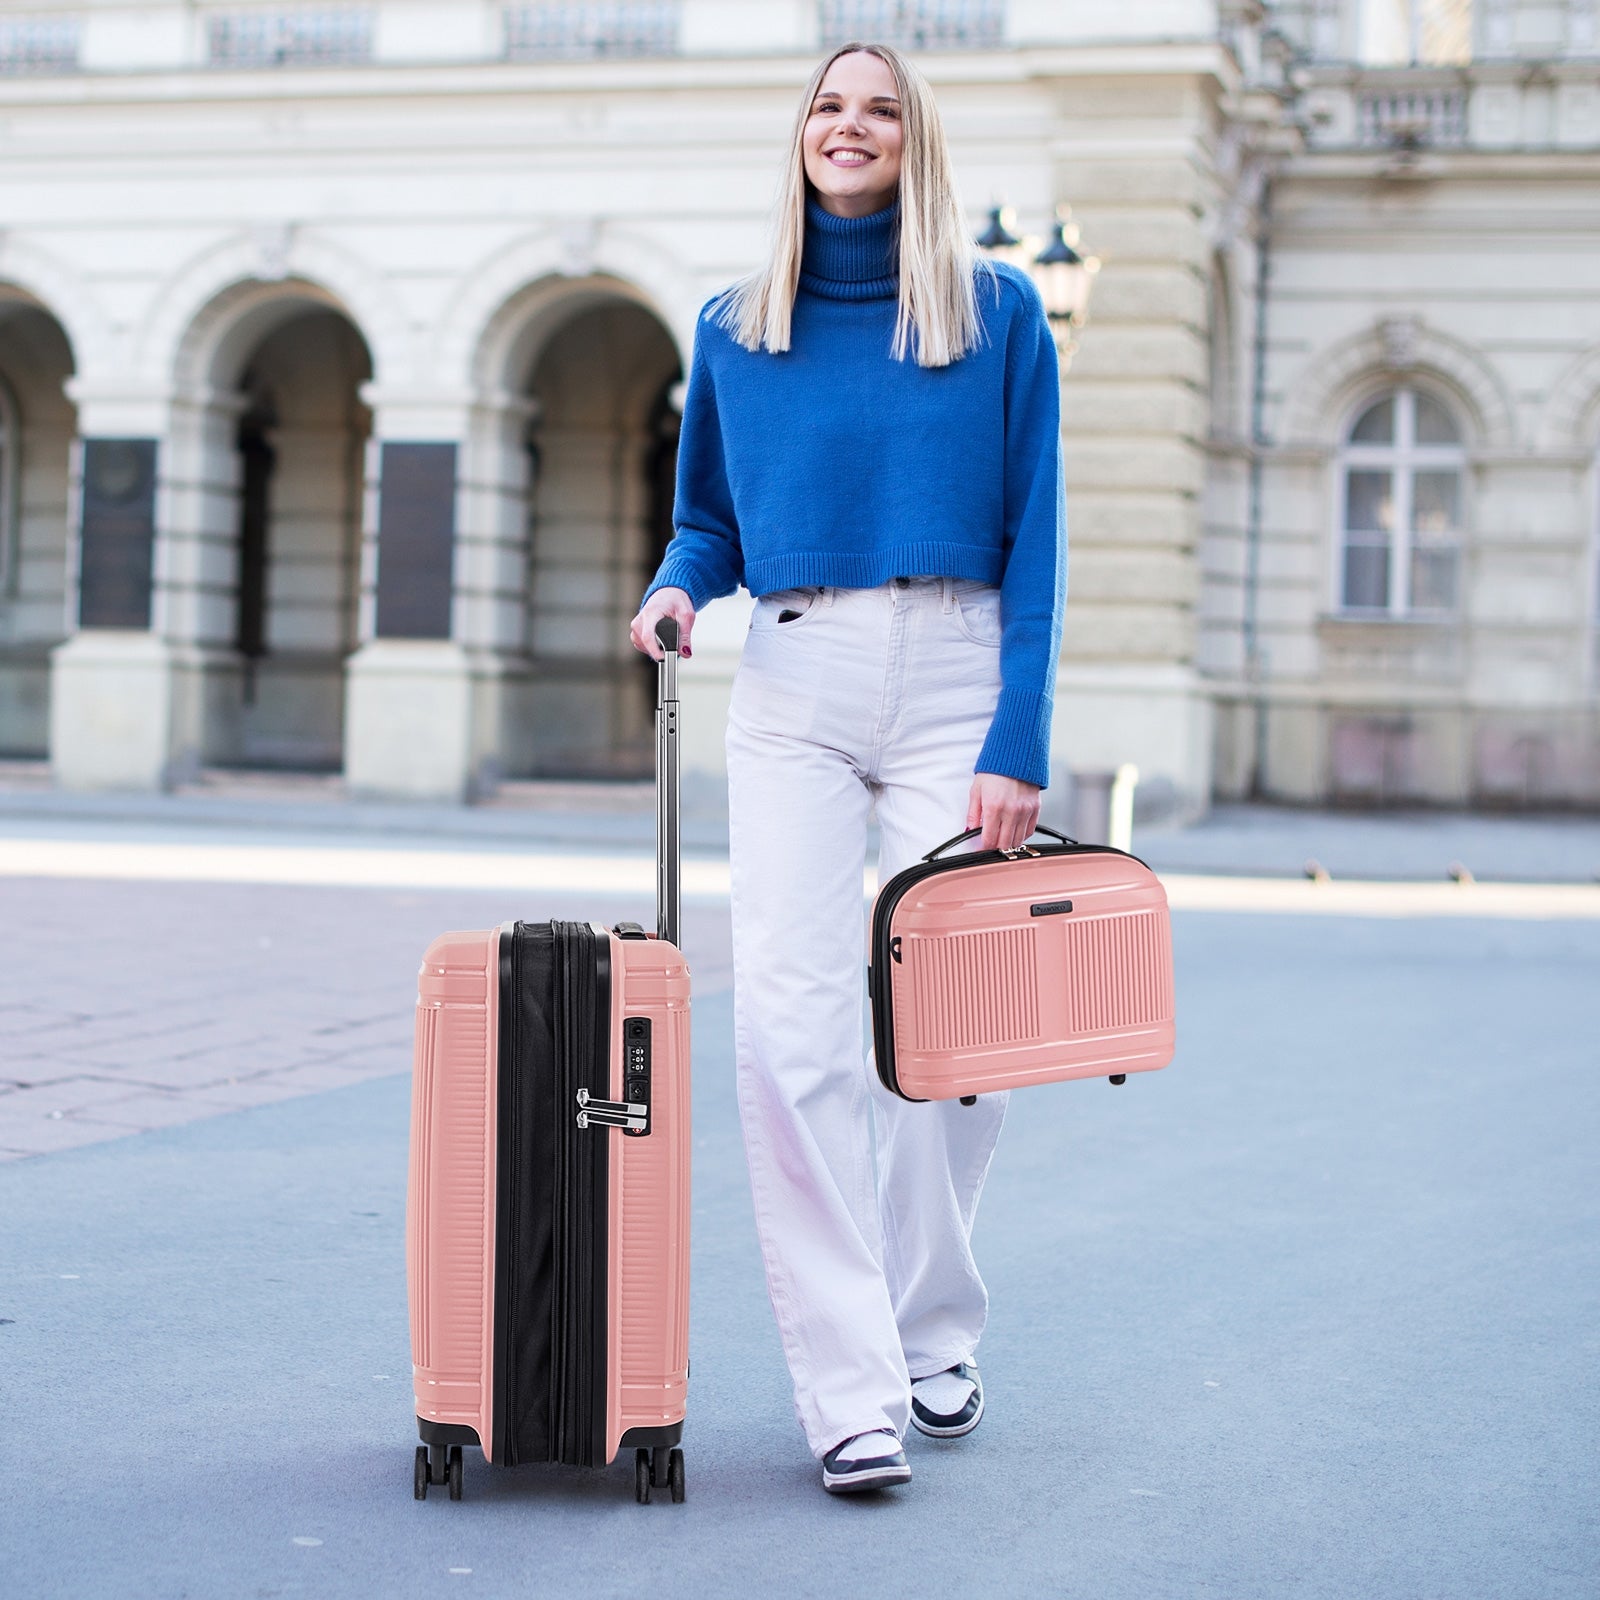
(1007, 809)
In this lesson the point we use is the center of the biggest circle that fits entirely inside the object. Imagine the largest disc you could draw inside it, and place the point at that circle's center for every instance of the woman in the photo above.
(871, 444)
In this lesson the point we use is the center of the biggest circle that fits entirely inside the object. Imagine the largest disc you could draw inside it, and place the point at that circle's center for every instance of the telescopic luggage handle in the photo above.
(668, 798)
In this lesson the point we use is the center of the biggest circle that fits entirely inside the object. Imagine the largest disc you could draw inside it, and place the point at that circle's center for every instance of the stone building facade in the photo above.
(341, 348)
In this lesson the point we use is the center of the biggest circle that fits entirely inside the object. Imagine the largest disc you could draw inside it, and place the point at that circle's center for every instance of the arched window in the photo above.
(1401, 477)
(10, 490)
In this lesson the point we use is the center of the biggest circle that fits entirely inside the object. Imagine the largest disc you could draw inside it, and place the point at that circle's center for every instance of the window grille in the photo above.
(325, 37)
(37, 44)
(1402, 483)
(915, 24)
(572, 30)
(1412, 117)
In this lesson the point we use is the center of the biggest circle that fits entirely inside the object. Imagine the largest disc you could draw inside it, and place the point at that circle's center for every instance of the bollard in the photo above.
(1091, 807)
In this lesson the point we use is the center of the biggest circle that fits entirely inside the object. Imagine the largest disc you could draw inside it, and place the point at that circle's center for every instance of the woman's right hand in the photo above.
(673, 603)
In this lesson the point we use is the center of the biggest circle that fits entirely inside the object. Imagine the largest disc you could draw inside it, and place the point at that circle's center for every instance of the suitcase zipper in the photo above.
(578, 1334)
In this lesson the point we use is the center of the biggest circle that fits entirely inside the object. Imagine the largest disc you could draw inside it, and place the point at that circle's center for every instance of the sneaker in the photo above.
(947, 1404)
(868, 1461)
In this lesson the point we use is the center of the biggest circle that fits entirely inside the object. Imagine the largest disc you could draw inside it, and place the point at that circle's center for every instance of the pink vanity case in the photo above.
(1001, 969)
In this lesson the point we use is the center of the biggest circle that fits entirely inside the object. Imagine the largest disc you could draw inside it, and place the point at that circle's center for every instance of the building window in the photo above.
(1402, 473)
(1409, 33)
(915, 24)
(292, 37)
(37, 44)
(573, 30)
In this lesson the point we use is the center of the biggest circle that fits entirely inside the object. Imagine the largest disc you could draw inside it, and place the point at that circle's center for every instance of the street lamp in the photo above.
(1063, 276)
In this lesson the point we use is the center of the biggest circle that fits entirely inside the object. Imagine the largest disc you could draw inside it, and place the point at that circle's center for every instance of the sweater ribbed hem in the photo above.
(1018, 744)
(835, 569)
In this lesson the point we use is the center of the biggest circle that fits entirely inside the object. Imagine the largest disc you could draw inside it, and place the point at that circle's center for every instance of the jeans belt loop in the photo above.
(947, 588)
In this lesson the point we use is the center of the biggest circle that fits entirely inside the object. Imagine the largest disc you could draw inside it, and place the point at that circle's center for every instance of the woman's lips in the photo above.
(849, 158)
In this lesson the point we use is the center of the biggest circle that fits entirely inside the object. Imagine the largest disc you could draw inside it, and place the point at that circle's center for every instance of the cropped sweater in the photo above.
(832, 464)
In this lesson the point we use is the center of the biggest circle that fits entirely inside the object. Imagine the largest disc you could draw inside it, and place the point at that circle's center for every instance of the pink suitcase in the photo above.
(999, 969)
(547, 1219)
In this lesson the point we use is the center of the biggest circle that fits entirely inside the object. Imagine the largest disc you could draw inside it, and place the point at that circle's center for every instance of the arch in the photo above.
(213, 350)
(196, 308)
(1339, 376)
(47, 282)
(522, 291)
(1570, 419)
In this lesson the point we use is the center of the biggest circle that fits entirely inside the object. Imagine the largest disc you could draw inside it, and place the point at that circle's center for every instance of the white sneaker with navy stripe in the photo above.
(868, 1461)
(947, 1404)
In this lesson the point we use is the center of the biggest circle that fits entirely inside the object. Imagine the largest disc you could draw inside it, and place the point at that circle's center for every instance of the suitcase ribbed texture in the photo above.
(451, 1181)
(972, 988)
(1118, 972)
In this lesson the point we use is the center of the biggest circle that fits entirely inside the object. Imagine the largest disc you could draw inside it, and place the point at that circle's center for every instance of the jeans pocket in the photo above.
(978, 615)
(785, 609)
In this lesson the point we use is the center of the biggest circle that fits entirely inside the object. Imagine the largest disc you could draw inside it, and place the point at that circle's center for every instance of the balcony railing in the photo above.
(326, 36)
(1411, 118)
(914, 24)
(569, 30)
(38, 44)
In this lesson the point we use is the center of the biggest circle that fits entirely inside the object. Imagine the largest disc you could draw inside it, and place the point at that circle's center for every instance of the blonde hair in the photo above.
(938, 259)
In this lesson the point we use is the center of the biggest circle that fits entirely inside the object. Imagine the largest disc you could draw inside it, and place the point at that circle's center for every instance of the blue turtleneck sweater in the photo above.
(834, 464)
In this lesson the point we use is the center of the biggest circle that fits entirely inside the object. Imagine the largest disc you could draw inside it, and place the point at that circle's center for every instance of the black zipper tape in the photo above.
(551, 1196)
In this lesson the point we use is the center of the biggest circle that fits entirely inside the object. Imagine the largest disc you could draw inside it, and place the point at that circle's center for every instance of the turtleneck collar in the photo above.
(851, 258)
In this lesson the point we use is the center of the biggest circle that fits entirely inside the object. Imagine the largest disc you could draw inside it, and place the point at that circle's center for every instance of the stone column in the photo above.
(129, 688)
(425, 692)
(1134, 418)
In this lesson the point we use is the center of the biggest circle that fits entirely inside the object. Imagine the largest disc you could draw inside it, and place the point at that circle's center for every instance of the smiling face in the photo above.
(852, 137)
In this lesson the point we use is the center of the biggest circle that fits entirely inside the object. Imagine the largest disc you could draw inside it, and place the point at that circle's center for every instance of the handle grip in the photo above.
(667, 634)
(972, 833)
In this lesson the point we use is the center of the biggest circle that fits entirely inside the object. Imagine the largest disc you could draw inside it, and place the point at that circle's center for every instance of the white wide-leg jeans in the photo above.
(869, 699)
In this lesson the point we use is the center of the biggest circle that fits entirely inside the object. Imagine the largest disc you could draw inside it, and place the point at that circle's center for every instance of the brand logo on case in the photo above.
(1049, 908)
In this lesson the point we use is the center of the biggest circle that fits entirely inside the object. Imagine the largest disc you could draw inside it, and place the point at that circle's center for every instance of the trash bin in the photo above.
(1101, 809)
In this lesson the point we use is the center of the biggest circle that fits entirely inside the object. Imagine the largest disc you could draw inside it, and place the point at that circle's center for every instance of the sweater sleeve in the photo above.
(704, 557)
(1033, 585)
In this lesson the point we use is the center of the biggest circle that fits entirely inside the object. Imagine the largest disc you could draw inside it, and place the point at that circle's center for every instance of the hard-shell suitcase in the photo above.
(547, 1217)
(1004, 968)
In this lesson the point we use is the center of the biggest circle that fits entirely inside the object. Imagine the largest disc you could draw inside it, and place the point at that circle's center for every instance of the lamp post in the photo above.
(1063, 276)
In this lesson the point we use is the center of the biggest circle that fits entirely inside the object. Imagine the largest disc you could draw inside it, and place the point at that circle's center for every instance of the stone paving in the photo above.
(136, 1005)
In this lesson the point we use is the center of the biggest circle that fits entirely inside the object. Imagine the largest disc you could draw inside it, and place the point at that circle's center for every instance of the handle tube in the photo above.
(669, 843)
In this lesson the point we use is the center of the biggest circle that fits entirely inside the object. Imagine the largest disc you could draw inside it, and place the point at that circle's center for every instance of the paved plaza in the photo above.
(1314, 1312)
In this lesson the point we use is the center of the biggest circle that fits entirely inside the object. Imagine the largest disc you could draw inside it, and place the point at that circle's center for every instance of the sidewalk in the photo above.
(1236, 840)
(174, 957)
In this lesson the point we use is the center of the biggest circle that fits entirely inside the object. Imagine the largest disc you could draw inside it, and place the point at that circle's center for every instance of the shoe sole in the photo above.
(856, 1482)
(948, 1433)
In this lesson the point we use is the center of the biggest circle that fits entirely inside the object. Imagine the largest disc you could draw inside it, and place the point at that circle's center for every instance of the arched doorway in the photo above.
(602, 445)
(37, 427)
(283, 446)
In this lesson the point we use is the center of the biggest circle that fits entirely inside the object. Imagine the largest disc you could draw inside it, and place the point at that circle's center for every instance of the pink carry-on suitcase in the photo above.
(547, 1219)
(1004, 968)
